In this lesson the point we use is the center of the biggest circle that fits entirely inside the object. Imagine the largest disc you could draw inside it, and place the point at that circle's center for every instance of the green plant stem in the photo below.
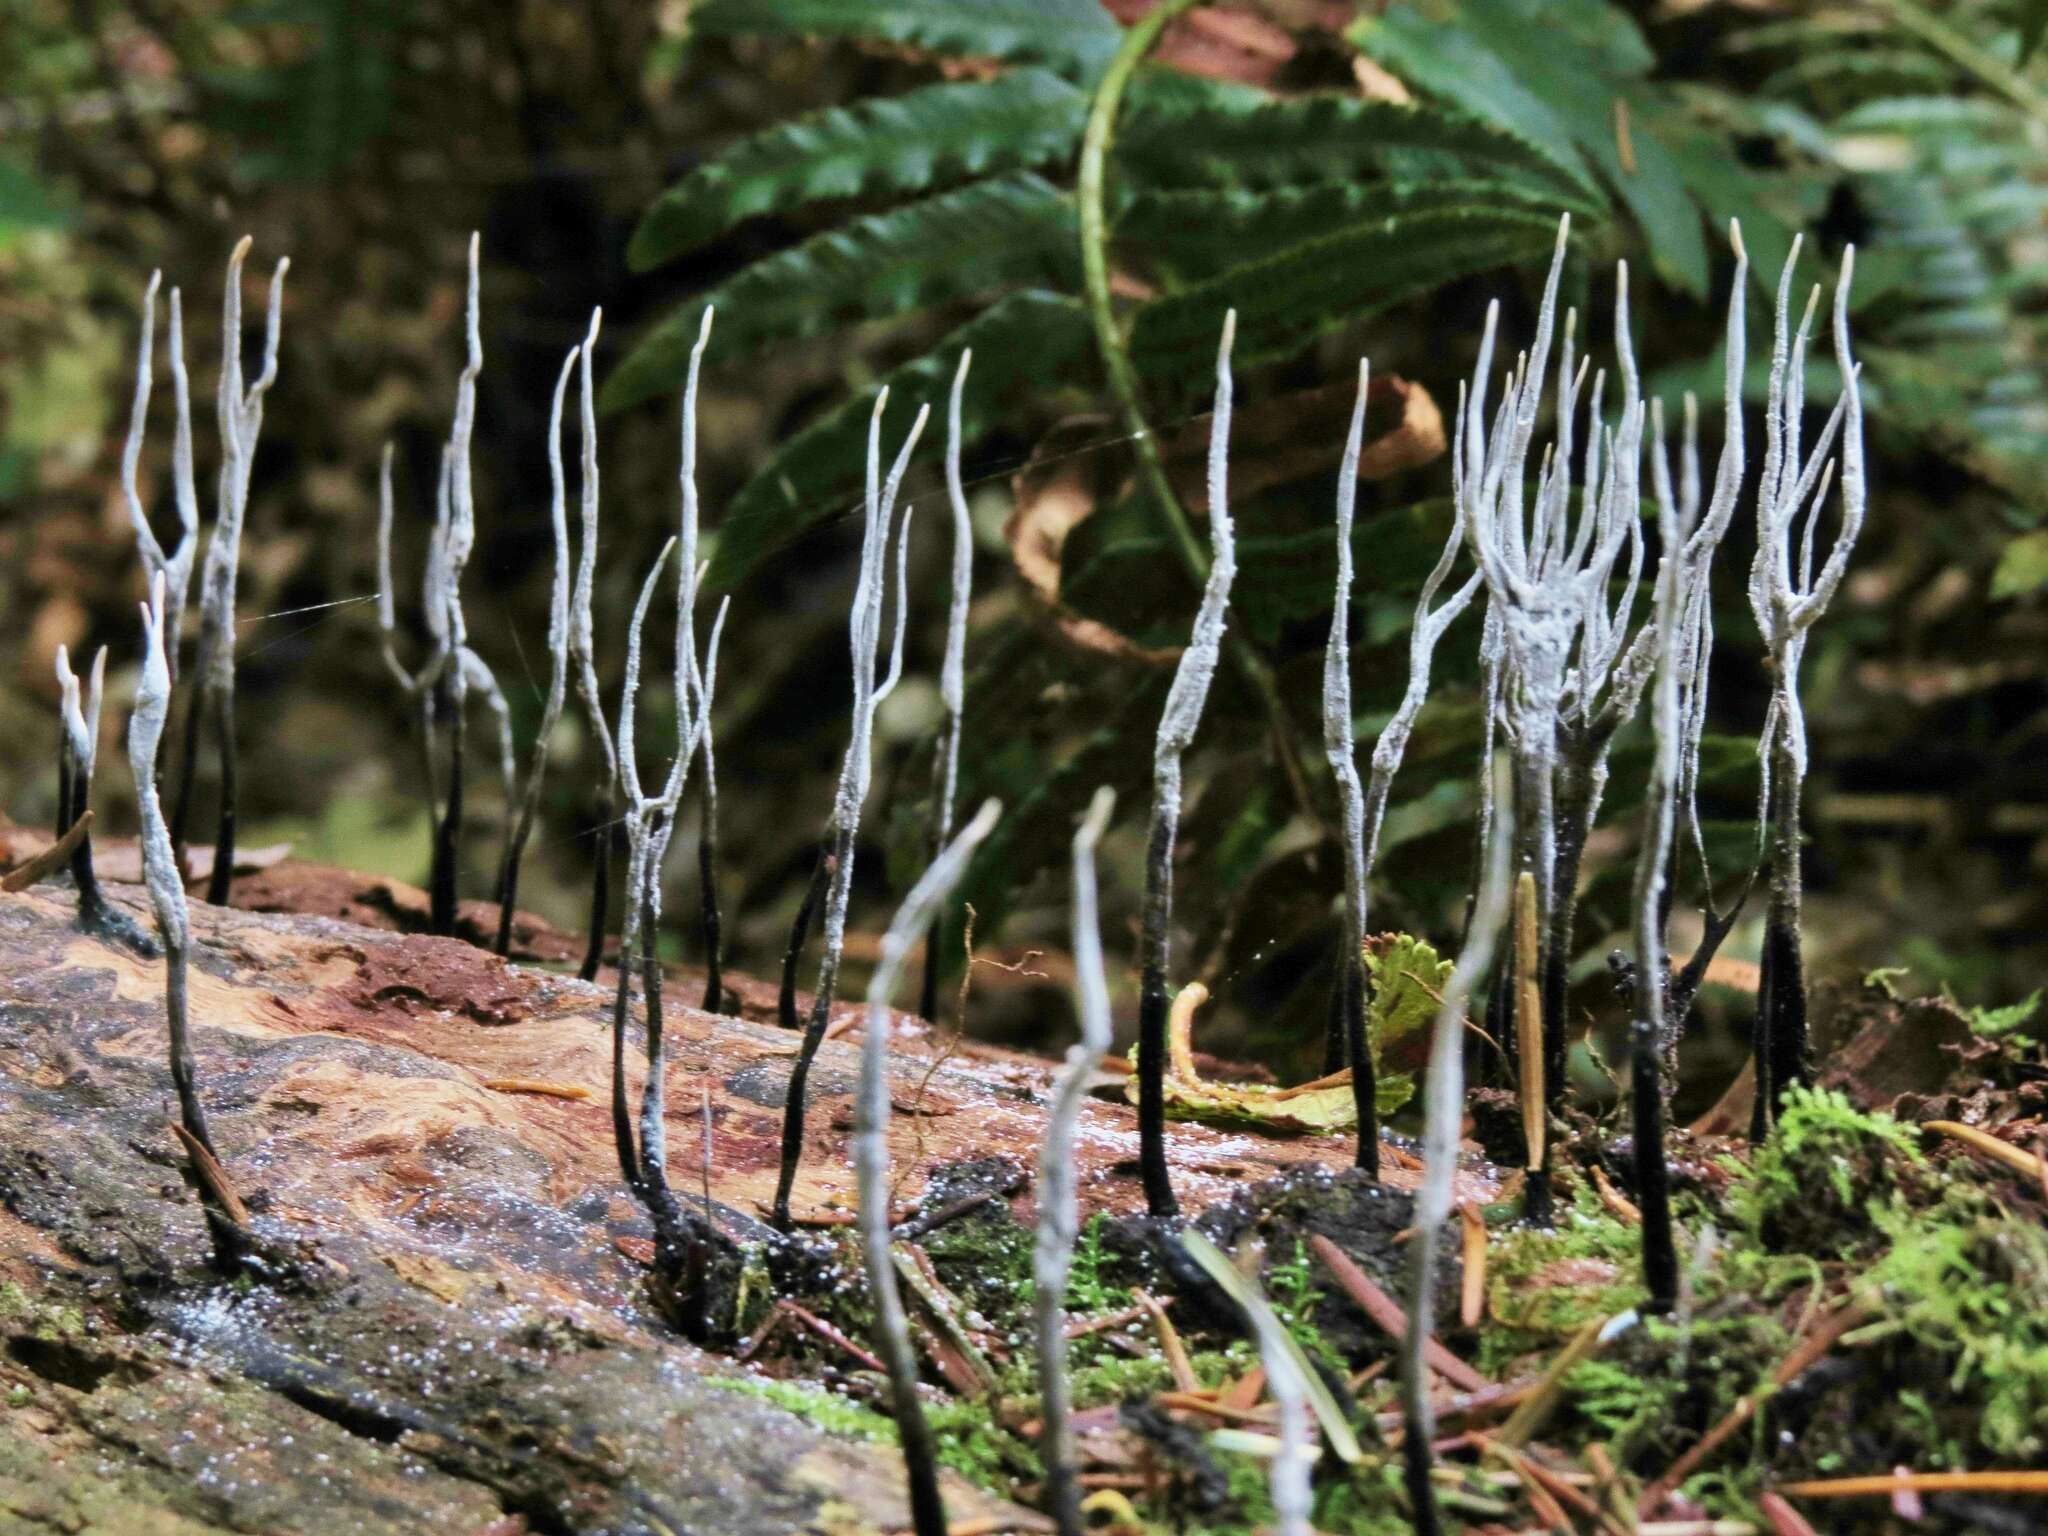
(1123, 377)
(1116, 361)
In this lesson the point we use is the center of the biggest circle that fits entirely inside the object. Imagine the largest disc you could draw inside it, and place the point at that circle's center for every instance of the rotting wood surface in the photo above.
(466, 1345)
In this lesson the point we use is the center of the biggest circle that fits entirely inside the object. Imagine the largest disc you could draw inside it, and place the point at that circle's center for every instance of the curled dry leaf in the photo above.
(1293, 436)
(1273, 443)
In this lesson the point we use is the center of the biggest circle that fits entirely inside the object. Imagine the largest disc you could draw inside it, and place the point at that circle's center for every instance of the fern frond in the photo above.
(1021, 344)
(1231, 143)
(1286, 299)
(1191, 235)
(909, 143)
(974, 239)
(1074, 37)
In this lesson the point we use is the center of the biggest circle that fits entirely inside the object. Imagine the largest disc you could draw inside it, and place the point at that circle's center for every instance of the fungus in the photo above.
(224, 1213)
(1552, 638)
(952, 672)
(1058, 1220)
(241, 420)
(707, 841)
(76, 754)
(871, 1167)
(175, 566)
(1443, 1113)
(558, 665)
(865, 624)
(1648, 1025)
(1365, 810)
(583, 656)
(685, 1243)
(452, 671)
(1788, 596)
(1177, 724)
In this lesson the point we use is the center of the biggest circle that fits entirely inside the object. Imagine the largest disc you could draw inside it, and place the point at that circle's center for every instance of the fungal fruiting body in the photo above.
(871, 1170)
(1177, 724)
(1058, 1218)
(1788, 596)
(856, 769)
(1443, 1114)
(520, 827)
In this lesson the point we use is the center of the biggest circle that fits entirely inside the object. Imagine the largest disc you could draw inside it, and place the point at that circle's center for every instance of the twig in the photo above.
(1918, 1482)
(1803, 1355)
(1535, 1410)
(1472, 1294)
(2019, 1160)
(40, 866)
(1376, 1304)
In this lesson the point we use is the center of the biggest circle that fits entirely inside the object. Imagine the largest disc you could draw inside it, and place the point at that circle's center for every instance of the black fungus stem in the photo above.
(707, 879)
(600, 884)
(1653, 1177)
(795, 1105)
(1334, 1049)
(799, 934)
(224, 840)
(441, 883)
(177, 1007)
(508, 892)
(622, 1111)
(1153, 1005)
(1415, 1469)
(1364, 1083)
(188, 763)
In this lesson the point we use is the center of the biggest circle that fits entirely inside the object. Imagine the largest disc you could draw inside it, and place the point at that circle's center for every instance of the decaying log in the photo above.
(447, 1327)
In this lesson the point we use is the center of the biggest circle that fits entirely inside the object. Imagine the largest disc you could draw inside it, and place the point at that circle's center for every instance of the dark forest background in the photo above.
(1253, 166)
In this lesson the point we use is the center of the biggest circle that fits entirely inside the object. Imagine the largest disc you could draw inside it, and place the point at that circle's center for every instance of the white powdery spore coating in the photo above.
(1058, 1219)
(145, 732)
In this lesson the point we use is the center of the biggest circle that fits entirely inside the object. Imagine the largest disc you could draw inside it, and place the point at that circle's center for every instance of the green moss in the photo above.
(1545, 1285)
(1825, 1177)
(1295, 1294)
(814, 1404)
(985, 1261)
(1968, 1284)
(968, 1440)
(48, 1321)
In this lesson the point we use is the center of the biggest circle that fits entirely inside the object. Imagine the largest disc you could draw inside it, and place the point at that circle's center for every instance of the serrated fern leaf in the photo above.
(1020, 344)
(942, 133)
(975, 239)
(1284, 300)
(1075, 37)
(1193, 235)
(1580, 96)
(1164, 144)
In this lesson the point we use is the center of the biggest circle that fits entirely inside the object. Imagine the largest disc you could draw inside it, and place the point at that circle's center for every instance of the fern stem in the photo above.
(1123, 376)
(1116, 359)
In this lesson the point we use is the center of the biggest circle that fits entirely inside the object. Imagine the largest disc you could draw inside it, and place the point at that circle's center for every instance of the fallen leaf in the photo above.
(1323, 1107)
